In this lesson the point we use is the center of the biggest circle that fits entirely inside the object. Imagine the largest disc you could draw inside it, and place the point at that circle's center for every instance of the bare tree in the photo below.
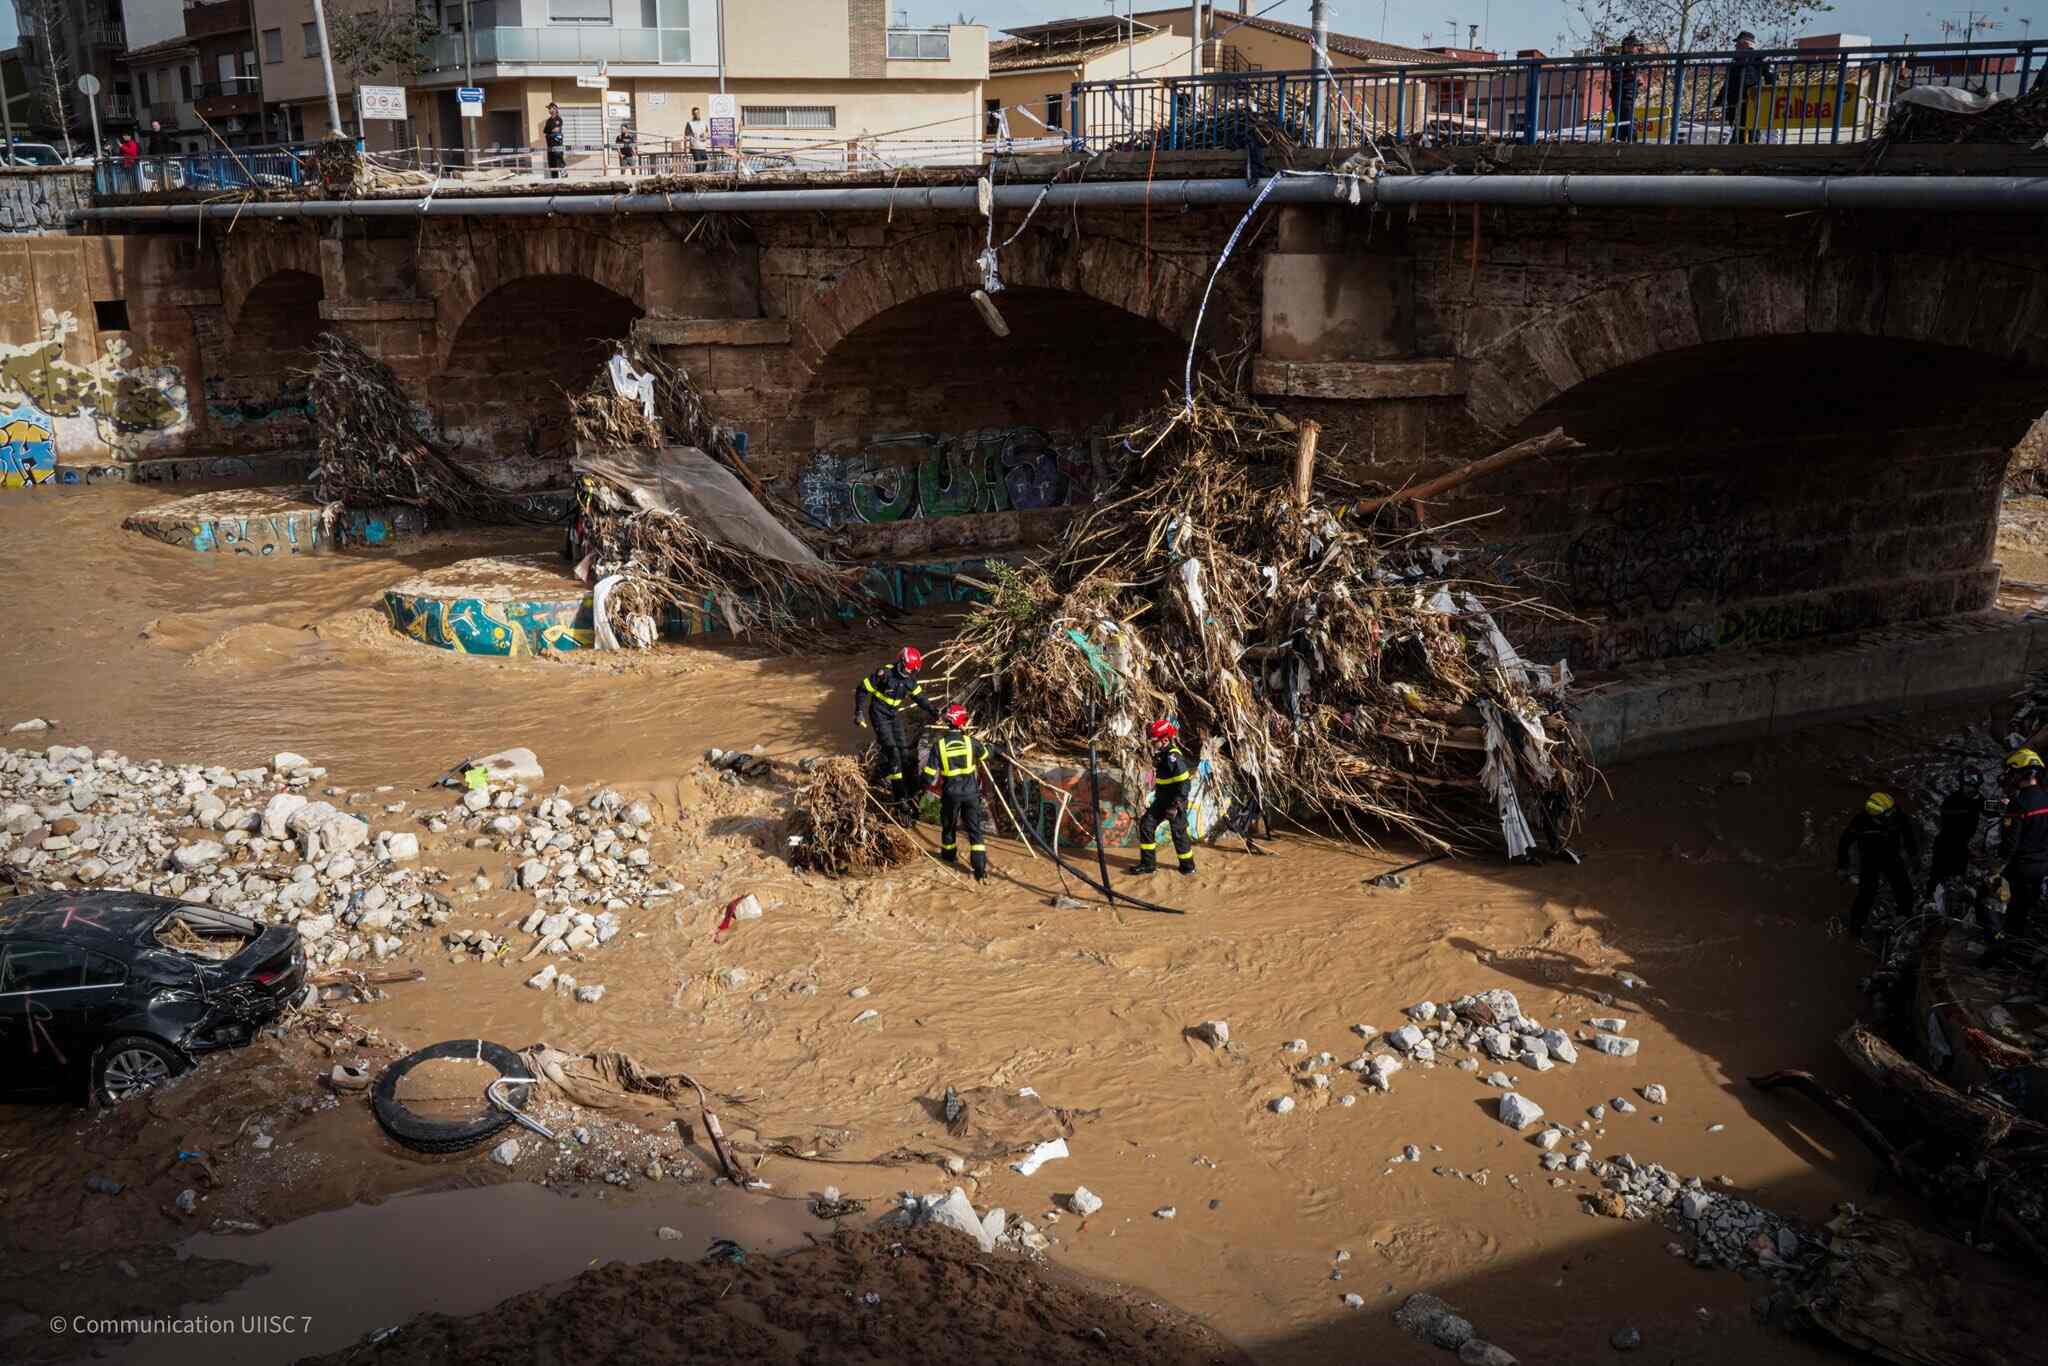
(48, 18)
(1691, 25)
(374, 37)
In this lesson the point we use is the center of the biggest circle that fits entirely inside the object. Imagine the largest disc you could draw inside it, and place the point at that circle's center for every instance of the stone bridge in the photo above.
(1795, 425)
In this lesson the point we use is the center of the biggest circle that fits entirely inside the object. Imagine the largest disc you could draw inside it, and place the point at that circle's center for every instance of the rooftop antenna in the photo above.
(1472, 36)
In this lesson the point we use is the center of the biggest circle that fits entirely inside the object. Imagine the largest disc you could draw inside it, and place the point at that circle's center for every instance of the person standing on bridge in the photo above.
(957, 761)
(2024, 845)
(1885, 843)
(551, 137)
(1624, 79)
(697, 140)
(1171, 778)
(879, 701)
(1742, 94)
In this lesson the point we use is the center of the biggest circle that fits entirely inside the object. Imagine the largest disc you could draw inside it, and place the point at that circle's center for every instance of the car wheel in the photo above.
(449, 1136)
(129, 1066)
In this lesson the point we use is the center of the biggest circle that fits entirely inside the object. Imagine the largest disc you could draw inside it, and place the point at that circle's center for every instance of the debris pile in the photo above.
(376, 449)
(1953, 115)
(668, 509)
(836, 827)
(1325, 668)
(248, 840)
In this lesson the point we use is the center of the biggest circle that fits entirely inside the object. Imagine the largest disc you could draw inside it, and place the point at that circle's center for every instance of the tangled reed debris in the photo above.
(836, 826)
(671, 562)
(1350, 673)
(375, 449)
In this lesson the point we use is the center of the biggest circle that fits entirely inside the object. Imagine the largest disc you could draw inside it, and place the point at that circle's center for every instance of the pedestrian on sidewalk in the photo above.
(957, 761)
(131, 163)
(551, 138)
(1748, 74)
(629, 143)
(1885, 843)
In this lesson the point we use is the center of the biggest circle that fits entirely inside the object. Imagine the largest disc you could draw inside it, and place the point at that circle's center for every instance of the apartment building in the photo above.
(800, 70)
(1032, 71)
(69, 39)
(200, 82)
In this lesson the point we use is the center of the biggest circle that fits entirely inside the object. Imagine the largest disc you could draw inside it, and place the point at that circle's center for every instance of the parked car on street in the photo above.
(114, 992)
(35, 154)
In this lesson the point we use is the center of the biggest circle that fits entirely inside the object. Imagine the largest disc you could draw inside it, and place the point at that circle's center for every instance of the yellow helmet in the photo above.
(1880, 804)
(2023, 758)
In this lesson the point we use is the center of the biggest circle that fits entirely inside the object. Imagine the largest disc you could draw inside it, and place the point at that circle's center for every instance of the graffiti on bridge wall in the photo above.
(1649, 547)
(41, 201)
(175, 470)
(1734, 628)
(996, 469)
(124, 402)
(28, 447)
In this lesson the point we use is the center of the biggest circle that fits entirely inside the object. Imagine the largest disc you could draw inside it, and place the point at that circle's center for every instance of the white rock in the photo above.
(1215, 1033)
(1423, 1010)
(1407, 1038)
(545, 978)
(867, 1015)
(532, 873)
(476, 799)
(506, 1153)
(747, 908)
(1283, 1105)
(956, 1211)
(1165, 1212)
(993, 1223)
(1385, 1065)
(732, 979)
(287, 762)
(511, 766)
(1694, 1204)
(590, 995)
(1538, 1059)
(402, 847)
(638, 815)
(1616, 1045)
(20, 727)
(191, 857)
(1609, 1023)
(1654, 1094)
(1084, 1202)
(1560, 1045)
(1519, 1112)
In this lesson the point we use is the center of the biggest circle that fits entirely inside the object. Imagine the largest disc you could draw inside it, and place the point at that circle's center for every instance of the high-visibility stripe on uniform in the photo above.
(1187, 858)
(1177, 778)
(948, 848)
(951, 750)
(1148, 848)
(977, 848)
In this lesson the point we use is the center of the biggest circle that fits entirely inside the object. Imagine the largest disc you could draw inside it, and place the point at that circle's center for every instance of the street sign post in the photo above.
(594, 82)
(469, 100)
(383, 102)
(89, 86)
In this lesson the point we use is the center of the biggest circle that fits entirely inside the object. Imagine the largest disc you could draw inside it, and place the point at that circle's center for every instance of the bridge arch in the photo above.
(258, 397)
(490, 263)
(503, 384)
(1995, 308)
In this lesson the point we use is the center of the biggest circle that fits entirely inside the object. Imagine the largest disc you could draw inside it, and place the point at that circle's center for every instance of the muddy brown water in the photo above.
(1714, 893)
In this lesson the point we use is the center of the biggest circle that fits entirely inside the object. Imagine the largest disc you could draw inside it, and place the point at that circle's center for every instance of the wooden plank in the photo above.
(1359, 379)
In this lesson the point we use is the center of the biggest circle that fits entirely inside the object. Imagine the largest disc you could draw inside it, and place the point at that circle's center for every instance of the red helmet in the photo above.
(956, 716)
(1162, 730)
(912, 658)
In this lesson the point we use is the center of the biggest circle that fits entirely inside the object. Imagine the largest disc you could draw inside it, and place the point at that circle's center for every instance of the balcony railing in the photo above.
(561, 46)
(103, 33)
(1787, 96)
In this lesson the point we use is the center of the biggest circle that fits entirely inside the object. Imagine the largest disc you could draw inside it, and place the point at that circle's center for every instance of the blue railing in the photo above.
(1782, 96)
(278, 166)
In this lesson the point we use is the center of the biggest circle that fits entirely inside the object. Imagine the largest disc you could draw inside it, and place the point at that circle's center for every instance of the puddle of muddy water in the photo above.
(332, 1278)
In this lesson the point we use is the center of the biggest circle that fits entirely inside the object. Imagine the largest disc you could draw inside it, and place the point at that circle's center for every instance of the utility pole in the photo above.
(468, 79)
(327, 67)
(1319, 61)
(1195, 42)
(6, 115)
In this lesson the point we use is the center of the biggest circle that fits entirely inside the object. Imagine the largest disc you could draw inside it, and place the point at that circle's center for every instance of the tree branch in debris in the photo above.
(1974, 1124)
(1549, 443)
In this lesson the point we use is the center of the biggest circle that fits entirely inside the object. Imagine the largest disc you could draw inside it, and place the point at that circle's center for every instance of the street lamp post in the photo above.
(327, 67)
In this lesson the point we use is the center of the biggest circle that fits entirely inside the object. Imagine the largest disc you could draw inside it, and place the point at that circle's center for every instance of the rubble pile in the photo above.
(247, 840)
(1324, 667)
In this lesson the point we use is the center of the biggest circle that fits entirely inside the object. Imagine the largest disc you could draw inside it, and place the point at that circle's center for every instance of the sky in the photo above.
(1511, 24)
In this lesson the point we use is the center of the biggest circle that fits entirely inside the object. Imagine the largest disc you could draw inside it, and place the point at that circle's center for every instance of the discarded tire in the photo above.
(449, 1135)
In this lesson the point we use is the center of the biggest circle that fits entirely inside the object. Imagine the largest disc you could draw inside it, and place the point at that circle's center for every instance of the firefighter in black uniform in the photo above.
(1962, 811)
(2023, 843)
(1170, 779)
(880, 700)
(1885, 842)
(957, 761)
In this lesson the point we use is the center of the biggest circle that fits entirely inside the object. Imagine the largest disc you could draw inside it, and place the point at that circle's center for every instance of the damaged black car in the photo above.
(119, 991)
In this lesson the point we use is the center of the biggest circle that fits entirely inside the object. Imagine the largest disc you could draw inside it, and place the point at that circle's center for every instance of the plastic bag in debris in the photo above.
(638, 385)
(607, 1080)
(1949, 99)
(600, 616)
(684, 480)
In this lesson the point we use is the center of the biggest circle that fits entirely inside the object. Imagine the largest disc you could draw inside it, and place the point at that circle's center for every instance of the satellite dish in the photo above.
(88, 84)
